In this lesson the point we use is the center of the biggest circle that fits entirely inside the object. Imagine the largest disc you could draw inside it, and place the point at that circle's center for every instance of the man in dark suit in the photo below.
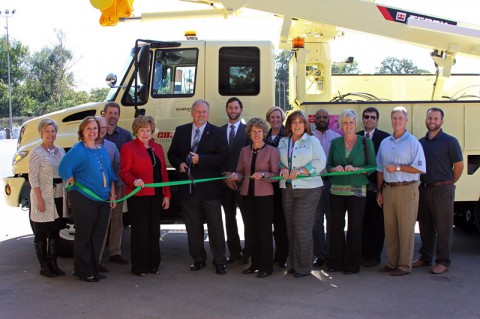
(234, 132)
(373, 228)
(198, 151)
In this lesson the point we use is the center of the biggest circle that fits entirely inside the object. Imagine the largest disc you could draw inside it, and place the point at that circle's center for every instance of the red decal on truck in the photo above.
(165, 134)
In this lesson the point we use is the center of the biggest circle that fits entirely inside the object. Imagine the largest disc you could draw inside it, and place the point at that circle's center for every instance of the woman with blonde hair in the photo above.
(275, 117)
(348, 153)
(46, 202)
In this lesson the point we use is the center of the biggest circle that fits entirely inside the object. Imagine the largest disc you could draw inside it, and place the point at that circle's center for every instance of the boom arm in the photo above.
(435, 33)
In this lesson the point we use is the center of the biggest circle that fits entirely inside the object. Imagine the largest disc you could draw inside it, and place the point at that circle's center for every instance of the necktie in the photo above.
(368, 135)
(196, 140)
(231, 136)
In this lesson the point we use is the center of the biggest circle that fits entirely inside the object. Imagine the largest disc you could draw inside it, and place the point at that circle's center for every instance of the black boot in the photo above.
(52, 256)
(41, 250)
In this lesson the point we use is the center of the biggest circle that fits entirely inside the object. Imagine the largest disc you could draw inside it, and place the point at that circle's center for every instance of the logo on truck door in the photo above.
(162, 135)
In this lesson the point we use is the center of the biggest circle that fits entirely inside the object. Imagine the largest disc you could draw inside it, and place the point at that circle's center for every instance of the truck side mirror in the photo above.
(143, 63)
(143, 94)
(111, 80)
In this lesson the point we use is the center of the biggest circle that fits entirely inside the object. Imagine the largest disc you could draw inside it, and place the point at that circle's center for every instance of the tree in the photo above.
(98, 95)
(392, 65)
(345, 68)
(18, 54)
(281, 78)
(49, 80)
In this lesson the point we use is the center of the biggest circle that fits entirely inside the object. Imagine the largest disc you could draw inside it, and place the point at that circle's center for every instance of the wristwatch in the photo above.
(398, 168)
(263, 175)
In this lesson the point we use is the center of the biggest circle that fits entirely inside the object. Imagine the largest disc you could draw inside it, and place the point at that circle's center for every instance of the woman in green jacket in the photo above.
(348, 153)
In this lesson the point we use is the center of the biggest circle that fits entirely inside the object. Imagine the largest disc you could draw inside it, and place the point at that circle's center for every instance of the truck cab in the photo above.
(162, 79)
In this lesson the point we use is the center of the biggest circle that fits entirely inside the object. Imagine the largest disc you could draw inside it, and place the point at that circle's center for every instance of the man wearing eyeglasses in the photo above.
(373, 227)
(320, 242)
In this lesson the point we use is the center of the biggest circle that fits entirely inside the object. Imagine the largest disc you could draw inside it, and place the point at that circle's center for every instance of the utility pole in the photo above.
(8, 14)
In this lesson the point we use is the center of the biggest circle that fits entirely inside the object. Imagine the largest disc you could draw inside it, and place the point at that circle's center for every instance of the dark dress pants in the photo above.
(91, 222)
(194, 213)
(230, 198)
(435, 219)
(258, 218)
(145, 213)
(373, 233)
(345, 252)
(279, 226)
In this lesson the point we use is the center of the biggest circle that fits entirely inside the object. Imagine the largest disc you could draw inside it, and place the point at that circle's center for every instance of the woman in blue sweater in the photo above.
(88, 164)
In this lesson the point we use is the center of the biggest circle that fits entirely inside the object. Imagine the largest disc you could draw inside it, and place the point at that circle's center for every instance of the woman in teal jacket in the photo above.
(348, 153)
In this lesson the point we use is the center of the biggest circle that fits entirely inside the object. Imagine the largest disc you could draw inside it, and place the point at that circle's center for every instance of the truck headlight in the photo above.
(19, 156)
(8, 190)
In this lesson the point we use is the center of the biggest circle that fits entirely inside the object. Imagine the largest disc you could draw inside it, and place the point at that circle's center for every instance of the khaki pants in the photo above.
(400, 208)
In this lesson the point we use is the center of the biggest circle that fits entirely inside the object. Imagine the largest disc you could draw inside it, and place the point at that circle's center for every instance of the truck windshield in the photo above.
(121, 77)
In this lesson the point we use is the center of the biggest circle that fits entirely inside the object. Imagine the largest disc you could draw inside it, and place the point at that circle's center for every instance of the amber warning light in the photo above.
(191, 35)
(298, 43)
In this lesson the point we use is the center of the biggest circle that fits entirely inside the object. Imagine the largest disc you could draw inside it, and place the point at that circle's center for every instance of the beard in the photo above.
(233, 117)
(433, 127)
(322, 126)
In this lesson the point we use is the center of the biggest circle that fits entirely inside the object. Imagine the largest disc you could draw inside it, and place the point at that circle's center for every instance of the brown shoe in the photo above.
(385, 269)
(398, 272)
(419, 263)
(438, 269)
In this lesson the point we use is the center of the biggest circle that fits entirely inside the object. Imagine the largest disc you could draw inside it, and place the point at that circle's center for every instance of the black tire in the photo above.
(67, 235)
(476, 214)
(464, 216)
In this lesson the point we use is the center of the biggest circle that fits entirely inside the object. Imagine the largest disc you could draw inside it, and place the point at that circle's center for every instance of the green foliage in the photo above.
(98, 95)
(392, 65)
(281, 79)
(41, 82)
(345, 68)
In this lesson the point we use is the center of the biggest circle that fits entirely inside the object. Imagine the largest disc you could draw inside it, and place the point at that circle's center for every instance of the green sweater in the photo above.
(336, 156)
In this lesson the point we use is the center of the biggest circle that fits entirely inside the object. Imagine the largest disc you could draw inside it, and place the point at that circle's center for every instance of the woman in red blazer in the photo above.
(142, 162)
(259, 161)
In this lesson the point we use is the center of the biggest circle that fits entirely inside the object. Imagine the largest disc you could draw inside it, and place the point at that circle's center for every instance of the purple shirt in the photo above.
(325, 140)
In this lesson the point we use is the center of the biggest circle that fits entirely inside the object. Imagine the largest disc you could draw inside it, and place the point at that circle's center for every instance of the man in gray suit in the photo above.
(234, 132)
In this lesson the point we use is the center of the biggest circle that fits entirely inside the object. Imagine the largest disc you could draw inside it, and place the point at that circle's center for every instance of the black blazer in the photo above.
(377, 138)
(241, 139)
(212, 150)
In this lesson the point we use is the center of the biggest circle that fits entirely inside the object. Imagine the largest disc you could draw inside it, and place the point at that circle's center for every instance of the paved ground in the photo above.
(179, 293)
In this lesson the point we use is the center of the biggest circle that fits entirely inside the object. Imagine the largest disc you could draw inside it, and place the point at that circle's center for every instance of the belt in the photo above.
(428, 185)
(395, 184)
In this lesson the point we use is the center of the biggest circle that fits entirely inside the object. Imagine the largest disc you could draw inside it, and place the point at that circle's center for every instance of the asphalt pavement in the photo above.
(180, 293)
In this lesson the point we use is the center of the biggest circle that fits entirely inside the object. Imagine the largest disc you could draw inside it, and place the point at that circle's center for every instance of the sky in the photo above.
(101, 50)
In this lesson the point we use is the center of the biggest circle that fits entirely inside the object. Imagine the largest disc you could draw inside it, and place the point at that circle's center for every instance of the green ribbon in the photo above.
(203, 180)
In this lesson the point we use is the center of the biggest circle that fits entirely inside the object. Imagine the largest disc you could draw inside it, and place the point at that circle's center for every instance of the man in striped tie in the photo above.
(234, 131)
(198, 151)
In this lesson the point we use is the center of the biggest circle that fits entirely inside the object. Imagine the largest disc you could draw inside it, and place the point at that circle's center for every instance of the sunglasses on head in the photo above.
(325, 117)
(367, 117)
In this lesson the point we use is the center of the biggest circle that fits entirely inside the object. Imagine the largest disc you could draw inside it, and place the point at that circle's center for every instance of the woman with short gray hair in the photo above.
(258, 161)
(348, 153)
(46, 202)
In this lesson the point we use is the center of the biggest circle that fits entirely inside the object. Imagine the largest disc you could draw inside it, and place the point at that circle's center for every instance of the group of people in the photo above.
(288, 176)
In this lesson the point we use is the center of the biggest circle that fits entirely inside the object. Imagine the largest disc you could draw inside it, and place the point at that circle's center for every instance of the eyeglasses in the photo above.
(325, 117)
(367, 117)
